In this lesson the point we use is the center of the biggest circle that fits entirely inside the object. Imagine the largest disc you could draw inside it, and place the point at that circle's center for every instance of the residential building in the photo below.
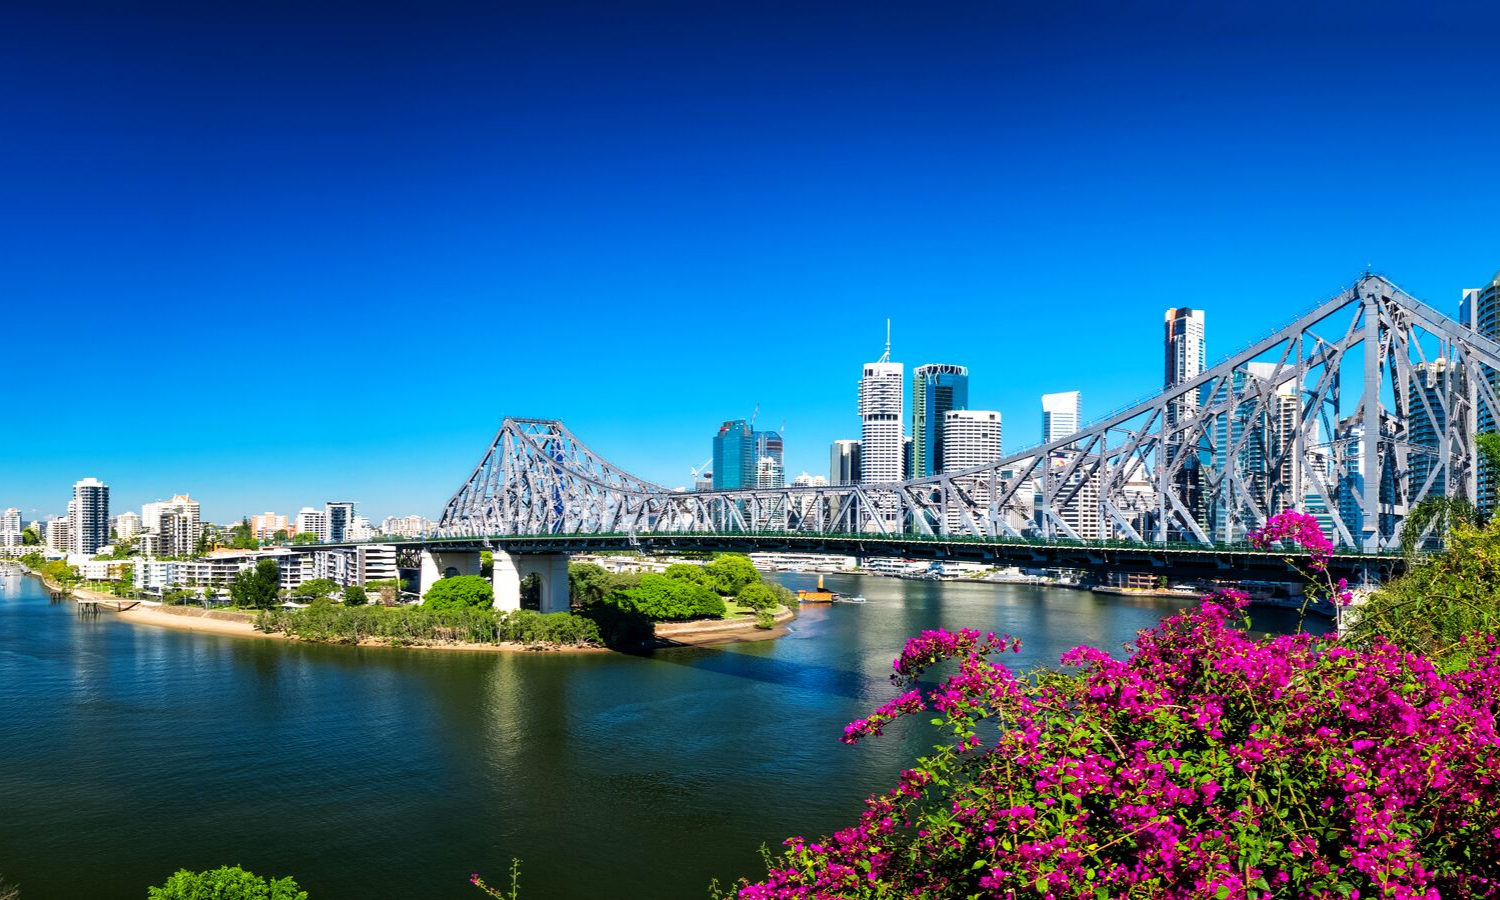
(171, 527)
(127, 525)
(734, 456)
(340, 516)
(264, 526)
(89, 517)
(843, 463)
(40, 527)
(10, 528)
(355, 565)
(970, 438)
(936, 389)
(882, 445)
(405, 526)
(1480, 310)
(60, 533)
(806, 480)
(1433, 390)
(312, 521)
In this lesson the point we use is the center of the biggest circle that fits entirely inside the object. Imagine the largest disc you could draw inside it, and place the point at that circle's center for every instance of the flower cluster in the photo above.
(1300, 529)
(1207, 764)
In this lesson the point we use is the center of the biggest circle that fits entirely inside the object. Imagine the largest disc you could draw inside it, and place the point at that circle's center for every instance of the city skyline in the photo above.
(470, 217)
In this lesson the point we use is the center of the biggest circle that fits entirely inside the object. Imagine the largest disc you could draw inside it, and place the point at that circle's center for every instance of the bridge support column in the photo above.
(551, 570)
(439, 564)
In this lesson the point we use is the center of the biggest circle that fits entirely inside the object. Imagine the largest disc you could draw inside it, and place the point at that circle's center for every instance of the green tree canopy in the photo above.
(387, 589)
(354, 595)
(664, 599)
(690, 572)
(29, 537)
(305, 537)
(757, 595)
(256, 586)
(225, 883)
(730, 572)
(459, 591)
(315, 587)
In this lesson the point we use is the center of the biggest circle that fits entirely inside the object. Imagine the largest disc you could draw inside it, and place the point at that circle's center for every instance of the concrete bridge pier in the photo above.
(551, 570)
(439, 564)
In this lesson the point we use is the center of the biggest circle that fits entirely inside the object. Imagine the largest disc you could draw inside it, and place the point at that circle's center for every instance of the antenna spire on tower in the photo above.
(887, 356)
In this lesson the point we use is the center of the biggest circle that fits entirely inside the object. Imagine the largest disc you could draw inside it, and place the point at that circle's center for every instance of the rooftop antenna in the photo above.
(887, 356)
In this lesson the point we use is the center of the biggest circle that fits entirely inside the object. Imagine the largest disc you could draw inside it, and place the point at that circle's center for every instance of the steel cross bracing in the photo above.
(1356, 411)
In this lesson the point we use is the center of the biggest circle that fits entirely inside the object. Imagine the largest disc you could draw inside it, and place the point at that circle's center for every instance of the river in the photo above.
(128, 751)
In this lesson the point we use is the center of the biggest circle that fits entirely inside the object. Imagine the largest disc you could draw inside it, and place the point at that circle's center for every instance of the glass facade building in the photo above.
(734, 456)
(935, 391)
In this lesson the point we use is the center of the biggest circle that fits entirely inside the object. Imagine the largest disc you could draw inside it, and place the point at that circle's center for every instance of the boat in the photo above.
(858, 598)
(818, 596)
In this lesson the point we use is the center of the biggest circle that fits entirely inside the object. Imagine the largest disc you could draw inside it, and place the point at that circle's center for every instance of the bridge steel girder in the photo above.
(1198, 463)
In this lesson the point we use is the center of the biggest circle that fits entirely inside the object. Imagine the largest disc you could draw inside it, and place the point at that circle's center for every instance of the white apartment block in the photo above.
(882, 391)
(313, 521)
(127, 525)
(971, 437)
(406, 526)
(60, 534)
(10, 528)
(171, 527)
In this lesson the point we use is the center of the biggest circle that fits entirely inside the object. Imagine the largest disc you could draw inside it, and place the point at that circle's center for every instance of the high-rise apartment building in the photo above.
(1480, 310)
(90, 517)
(127, 525)
(881, 446)
(935, 390)
(1429, 397)
(734, 456)
(171, 528)
(971, 437)
(313, 521)
(60, 534)
(406, 526)
(339, 515)
(1186, 358)
(10, 528)
(843, 463)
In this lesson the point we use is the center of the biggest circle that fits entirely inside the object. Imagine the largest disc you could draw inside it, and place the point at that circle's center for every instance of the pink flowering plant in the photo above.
(1299, 533)
(1207, 764)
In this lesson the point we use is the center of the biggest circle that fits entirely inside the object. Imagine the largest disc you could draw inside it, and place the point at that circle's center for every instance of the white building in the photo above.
(971, 437)
(360, 529)
(339, 517)
(881, 447)
(171, 527)
(127, 525)
(806, 480)
(1074, 496)
(90, 517)
(355, 565)
(1186, 358)
(406, 526)
(1060, 415)
(10, 528)
(312, 521)
(60, 533)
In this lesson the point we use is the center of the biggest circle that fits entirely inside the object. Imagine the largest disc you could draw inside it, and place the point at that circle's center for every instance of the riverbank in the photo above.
(708, 632)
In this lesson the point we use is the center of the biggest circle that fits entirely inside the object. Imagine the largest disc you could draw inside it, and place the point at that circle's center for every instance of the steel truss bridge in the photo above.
(1357, 410)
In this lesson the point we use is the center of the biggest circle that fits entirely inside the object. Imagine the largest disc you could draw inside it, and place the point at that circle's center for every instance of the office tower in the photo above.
(771, 511)
(734, 456)
(312, 521)
(127, 525)
(843, 463)
(339, 517)
(768, 444)
(935, 389)
(881, 445)
(1430, 394)
(1185, 358)
(1480, 310)
(970, 438)
(1060, 415)
(1075, 497)
(89, 517)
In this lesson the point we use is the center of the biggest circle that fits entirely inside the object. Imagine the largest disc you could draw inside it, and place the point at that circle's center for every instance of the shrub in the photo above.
(458, 592)
(690, 572)
(757, 596)
(354, 595)
(225, 883)
(406, 625)
(663, 599)
(765, 619)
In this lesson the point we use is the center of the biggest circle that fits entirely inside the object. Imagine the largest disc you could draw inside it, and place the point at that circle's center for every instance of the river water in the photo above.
(128, 751)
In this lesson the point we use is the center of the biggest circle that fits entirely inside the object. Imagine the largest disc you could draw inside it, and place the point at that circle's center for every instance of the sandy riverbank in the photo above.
(186, 618)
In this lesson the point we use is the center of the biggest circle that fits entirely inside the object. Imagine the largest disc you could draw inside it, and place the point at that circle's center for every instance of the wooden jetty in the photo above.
(91, 606)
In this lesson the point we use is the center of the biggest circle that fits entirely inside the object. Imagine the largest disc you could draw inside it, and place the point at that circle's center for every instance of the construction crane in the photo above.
(701, 469)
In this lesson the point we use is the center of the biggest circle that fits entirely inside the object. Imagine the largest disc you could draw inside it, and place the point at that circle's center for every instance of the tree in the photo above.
(280, 537)
(29, 537)
(225, 883)
(690, 572)
(354, 595)
(387, 589)
(256, 587)
(305, 537)
(757, 596)
(460, 592)
(664, 599)
(242, 536)
(487, 563)
(314, 588)
(730, 572)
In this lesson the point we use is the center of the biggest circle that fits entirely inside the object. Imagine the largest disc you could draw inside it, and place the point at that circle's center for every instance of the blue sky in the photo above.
(277, 253)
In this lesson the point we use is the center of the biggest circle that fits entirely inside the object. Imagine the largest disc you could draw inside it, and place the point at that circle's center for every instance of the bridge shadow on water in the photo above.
(750, 662)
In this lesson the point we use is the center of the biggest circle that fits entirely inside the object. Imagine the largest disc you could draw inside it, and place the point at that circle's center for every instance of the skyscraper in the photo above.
(89, 517)
(935, 389)
(843, 463)
(1480, 310)
(1185, 358)
(768, 445)
(1060, 415)
(734, 456)
(1428, 401)
(340, 516)
(881, 459)
(971, 437)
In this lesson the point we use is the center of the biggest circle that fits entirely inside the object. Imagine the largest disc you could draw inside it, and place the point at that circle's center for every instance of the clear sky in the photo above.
(280, 252)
